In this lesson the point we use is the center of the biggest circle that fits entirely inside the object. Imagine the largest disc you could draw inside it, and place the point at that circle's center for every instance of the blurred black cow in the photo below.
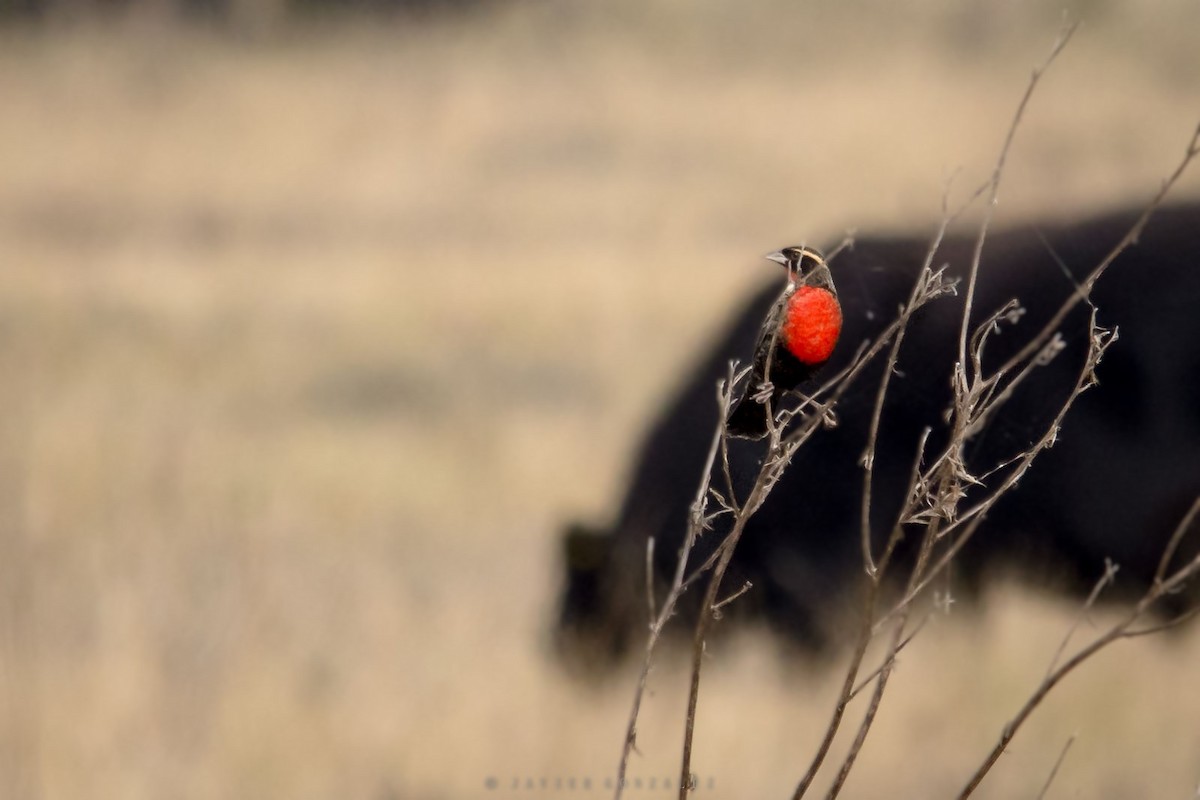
(1124, 470)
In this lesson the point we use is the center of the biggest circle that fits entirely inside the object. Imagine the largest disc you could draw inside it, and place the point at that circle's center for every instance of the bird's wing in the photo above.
(768, 339)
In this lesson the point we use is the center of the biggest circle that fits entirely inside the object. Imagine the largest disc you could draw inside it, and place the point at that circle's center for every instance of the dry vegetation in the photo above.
(311, 343)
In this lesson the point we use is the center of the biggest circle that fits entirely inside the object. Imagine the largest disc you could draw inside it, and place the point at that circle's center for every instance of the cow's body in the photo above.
(1125, 468)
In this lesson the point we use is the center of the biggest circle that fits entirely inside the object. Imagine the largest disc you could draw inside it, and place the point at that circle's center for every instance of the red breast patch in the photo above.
(813, 324)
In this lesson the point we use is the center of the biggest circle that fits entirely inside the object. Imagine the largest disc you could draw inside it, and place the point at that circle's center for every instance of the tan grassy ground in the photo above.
(310, 345)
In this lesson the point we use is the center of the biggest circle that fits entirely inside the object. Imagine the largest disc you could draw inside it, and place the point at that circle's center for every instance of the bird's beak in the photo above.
(778, 257)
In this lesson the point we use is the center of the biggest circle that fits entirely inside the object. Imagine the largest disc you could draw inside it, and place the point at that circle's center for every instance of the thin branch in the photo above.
(970, 519)
(1173, 543)
(1174, 622)
(732, 501)
(1128, 240)
(1052, 680)
(844, 695)
(747, 586)
(868, 459)
(870, 676)
(889, 662)
(1177, 579)
(1106, 580)
(695, 524)
(914, 479)
(1064, 36)
(1054, 770)
(1122, 629)
(650, 579)
(847, 243)
(1098, 342)
(929, 285)
(701, 631)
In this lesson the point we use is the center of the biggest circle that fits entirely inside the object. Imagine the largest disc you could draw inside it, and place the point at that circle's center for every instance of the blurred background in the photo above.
(318, 320)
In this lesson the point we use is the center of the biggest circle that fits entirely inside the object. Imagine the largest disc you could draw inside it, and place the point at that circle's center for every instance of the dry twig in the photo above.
(1163, 585)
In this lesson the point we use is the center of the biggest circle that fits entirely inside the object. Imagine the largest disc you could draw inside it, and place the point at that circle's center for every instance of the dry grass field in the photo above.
(311, 343)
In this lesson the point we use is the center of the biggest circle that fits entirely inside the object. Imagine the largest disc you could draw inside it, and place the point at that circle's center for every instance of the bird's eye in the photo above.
(807, 259)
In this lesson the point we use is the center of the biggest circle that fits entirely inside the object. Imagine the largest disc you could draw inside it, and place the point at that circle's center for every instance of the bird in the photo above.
(798, 336)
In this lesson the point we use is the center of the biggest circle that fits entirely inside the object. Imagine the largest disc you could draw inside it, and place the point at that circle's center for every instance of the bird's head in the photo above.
(805, 265)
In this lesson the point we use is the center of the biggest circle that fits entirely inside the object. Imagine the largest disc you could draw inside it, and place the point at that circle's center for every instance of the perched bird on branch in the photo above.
(797, 338)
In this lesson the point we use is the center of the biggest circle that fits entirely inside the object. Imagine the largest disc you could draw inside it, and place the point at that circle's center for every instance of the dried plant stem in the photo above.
(1062, 756)
(1064, 36)
(1131, 237)
(969, 519)
(1162, 585)
(936, 501)
(868, 459)
(659, 618)
(942, 486)
(870, 676)
(885, 672)
(874, 573)
(782, 442)
(707, 609)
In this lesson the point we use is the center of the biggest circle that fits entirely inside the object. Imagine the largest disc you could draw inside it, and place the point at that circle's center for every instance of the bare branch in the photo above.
(847, 243)
(929, 286)
(844, 695)
(868, 459)
(1176, 537)
(889, 661)
(695, 524)
(747, 586)
(1064, 36)
(1122, 629)
(870, 676)
(970, 519)
(1174, 622)
(650, 579)
(1128, 240)
(1106, 580)
(1054, 770)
